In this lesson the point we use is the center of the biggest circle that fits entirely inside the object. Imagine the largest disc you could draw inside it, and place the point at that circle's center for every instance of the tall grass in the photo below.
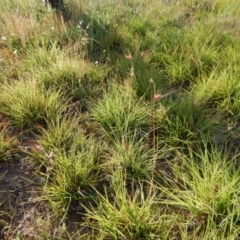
(26, 103)
(120, 111)
(133, 110)
(204, 188)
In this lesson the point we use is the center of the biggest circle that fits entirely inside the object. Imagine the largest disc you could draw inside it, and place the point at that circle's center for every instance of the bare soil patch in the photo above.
(19, 205)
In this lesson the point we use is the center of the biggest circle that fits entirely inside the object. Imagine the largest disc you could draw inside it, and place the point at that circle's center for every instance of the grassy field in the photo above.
(133, 111)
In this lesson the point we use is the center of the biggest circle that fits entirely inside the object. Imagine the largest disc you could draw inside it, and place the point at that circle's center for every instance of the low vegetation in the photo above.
(133, 113)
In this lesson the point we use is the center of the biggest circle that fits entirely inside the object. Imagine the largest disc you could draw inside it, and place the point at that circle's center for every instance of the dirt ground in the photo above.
(19, 205)
(23, 213)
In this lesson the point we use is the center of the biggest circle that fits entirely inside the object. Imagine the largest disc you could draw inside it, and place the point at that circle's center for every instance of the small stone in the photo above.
(79, 208)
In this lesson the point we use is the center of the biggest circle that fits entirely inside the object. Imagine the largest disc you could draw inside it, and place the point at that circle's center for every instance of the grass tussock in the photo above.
(26, 102)
(8, 141)
(204, 189)
(129, 215)
(132, 111)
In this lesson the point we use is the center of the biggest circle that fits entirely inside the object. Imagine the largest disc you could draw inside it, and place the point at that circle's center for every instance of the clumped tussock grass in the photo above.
(8, 142)
(56, 68)
(188, 121)
(120, 111)
(204, 187)
(132, 108)
(134, 215)
(71, 175)
(26, 103)
(134, 156)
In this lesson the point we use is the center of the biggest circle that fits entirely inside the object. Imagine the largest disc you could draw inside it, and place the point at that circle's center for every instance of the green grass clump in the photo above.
(55, 68)
(129, 110)
(8, 142)
(71, 162)
(26, 102)
(132, 155)
(204, 187)
(134, 215)
(188, 122)
(120, 111)
(72, 175)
